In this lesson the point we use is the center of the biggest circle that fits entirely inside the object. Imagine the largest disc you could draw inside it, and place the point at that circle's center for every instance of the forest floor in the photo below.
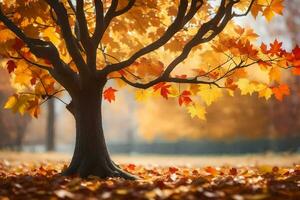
(245, 177)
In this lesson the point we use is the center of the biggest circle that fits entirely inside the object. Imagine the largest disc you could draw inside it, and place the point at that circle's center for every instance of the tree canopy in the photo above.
(48, 46)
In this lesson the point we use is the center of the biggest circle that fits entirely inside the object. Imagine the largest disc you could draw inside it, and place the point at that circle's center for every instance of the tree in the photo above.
(289, 125)
(143, 44)
(50, 140)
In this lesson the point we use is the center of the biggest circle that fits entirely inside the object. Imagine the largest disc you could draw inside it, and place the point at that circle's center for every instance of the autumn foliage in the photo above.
(189, 50)
(220, 60)
(41, 181)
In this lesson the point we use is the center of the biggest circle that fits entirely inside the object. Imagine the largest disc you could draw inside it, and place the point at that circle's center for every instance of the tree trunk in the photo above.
(19, 137)
(50, 141)
(91, 156)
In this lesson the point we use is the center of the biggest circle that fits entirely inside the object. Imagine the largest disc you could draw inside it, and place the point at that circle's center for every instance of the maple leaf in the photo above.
(245, 86)
(18, 103)
(230, 84)
(11, 66)
(266, 93)
(275, 74)
(142, 95)
(164, 89)
(256, 8)
(197, 110)
(275, 7)
(209, 94)
(109, 94)
(281, 91)
(264, 48)
(295, 59)
(276, 48)
(34, 107)
(184, 98)
(296, 52)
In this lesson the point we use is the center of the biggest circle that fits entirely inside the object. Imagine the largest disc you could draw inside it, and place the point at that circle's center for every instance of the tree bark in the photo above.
(91, 156)
(50, 141)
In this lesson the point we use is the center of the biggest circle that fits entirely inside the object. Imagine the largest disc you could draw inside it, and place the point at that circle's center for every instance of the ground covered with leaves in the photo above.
(41, 180)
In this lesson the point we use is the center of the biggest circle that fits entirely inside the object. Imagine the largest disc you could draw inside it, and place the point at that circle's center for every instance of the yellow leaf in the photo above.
(142, 95)
(245, 86)
(265, 93)
(197, 111)
(11, 102)
(17, 103)
(209, 94)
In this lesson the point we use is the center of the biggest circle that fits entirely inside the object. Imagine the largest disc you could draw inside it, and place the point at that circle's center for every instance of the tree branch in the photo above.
(99, 29)
(181, 19)
(217, 24)
(45, 50)
(63, 22)
(82, 24)
(168, 80)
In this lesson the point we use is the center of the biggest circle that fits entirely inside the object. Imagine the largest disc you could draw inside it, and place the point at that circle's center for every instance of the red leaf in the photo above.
(233, 171)
(296, 52)
(173, 170)
(264, 48)
(109, 94)
(164, 89)
(184, 98)
(11, 66)
(33, 81)
(131, 167)
(18, 44)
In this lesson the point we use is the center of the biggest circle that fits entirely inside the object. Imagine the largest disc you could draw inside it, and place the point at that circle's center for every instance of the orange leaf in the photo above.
(131, 167)
(281, 91)
(109, 94)
(275, 48)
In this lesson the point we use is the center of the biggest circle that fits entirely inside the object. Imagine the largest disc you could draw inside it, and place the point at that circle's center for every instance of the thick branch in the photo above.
(179, 22)
(104, 21)
(217, 24)
(83, 28)
(46, 50)
(99, 29)
(64, 24)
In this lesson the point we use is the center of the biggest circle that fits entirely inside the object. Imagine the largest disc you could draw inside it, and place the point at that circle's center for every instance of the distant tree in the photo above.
(140, 43)
(290, 108)
(50, 139)
(12, 127)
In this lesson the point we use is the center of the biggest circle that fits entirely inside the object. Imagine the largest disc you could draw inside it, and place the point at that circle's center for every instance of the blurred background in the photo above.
(235, 125)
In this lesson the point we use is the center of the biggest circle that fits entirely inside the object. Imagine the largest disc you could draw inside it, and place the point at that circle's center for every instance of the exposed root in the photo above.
(106, 169)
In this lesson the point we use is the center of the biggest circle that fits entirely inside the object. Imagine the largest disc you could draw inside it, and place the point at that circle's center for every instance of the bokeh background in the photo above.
(234, 125)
